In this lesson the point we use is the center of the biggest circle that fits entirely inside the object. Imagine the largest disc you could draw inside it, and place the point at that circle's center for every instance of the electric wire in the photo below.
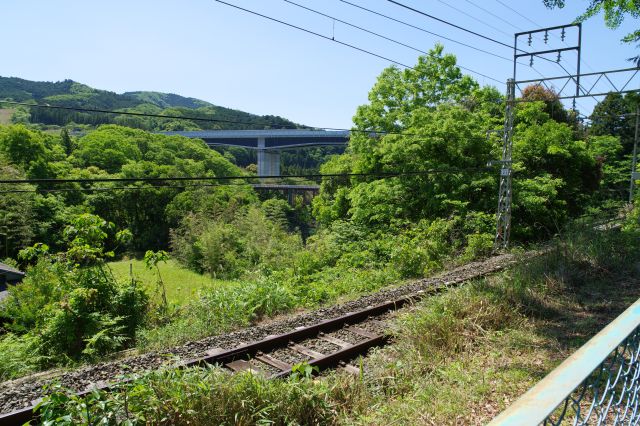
(518, 13)
(449, 23)
(212, 120)
(333, 39)
(493, 14)
(388, 38)
(471, 32)
(421, 29)
(111, 188)
(370, 132)
(368, 52)
(151, 115)
(361, 28)
(429, 32)
(474, 18)
(244, 177)
(538, 25)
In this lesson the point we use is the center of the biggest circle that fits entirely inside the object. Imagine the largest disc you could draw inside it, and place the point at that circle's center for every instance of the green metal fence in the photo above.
(598, 385)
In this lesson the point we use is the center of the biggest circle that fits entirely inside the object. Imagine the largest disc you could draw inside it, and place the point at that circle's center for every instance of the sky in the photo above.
(211, 51)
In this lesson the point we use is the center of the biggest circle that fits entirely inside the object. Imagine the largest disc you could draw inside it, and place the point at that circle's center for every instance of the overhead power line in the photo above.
(399, 42)
(383, 36)
(333, 39)
(146, 114)
(432, 33)
(516, 12)
(538, 25)
(231, 178)
(493, 14)
(371, 132)
(368, 52)
(202, 119)
(424, 30)
(475, 33)
(109, 189)
(449, 23)
(474, 18)
(355, 26)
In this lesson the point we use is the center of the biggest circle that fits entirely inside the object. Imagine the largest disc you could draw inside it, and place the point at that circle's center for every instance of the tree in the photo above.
(554, 107)
(70, 301)
(17, 215)
(434, 80)
(66, 142)
(22, 146)
(555, 173)
(446, 115)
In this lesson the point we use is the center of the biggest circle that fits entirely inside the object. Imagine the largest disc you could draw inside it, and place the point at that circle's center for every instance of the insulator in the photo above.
(559, 57)
(531, 61)
(563, 35)
(529, 41)
(546, 37)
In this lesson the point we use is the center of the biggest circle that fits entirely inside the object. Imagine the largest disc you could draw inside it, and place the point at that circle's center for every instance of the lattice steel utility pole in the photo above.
(503, 228)
(580, 85)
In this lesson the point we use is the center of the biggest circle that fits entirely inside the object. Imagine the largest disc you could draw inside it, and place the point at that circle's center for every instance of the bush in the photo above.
(230, 249)
(70, 302)
(197, 396)
(222, 309)
(451, 322)
(43, 285)
(19, 355)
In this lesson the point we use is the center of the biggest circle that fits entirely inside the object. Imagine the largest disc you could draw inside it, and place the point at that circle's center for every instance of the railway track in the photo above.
(325, 343)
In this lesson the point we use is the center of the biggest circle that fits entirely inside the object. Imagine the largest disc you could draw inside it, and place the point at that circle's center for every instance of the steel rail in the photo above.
(250, 350)
(256, 350)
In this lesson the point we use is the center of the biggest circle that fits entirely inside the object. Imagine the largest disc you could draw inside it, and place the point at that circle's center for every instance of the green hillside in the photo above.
(69, 93)
(167, 100)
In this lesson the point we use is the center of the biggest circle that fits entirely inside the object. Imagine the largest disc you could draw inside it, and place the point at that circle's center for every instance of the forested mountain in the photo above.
(69, 93)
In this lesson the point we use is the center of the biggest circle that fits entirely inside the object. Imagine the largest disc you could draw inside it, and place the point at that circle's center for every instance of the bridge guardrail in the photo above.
(598, 384)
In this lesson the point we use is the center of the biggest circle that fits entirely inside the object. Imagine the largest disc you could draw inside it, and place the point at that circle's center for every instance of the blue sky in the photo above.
(203, 49)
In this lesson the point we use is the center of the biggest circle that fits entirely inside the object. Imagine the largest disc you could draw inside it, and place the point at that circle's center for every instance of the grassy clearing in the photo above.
(183, 285)
(5, 115)
(458, 358)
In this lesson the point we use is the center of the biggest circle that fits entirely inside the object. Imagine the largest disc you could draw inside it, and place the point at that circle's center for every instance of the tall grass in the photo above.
(458, 358)
(198, 396)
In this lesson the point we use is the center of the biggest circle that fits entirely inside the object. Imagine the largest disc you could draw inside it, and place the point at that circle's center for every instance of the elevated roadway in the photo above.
(268, 142)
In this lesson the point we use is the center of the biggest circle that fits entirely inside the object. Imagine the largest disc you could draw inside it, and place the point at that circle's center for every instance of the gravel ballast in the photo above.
(24, 392)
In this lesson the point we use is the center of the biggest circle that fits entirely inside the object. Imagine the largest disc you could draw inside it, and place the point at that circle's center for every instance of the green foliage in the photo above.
(19, 356)
(17, 212)
(44, 285)
(151, 260)
(72, 94)
(456, 351)
(196, 397)
(303, 371)
(451, 323)
(447, 116)
(220, 309)
(230, 246)
(397, 94)
(70, 303)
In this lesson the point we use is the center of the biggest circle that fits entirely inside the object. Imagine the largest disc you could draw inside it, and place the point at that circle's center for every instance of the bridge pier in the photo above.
(268, 160)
